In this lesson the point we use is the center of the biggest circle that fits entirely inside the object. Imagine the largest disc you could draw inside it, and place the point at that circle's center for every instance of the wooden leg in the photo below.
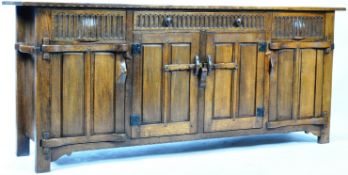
(22, 144)
(324, 136)
(22, 139)
(42, 162)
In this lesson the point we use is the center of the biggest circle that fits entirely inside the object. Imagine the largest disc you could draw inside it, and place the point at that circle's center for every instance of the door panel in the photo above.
(232, 96)
(180, 87)
(285, 84)
(296, 86)
(165, 102)
(87, 100)
(152, 72)
(73, 93)
(247, 83)
(222, 96)
(103, 118)
(307, 87)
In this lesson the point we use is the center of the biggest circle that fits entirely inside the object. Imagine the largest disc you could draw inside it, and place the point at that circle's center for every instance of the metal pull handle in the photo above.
(168, 21)
(298, 38)
(238, 22)
(203, 77)
(182, 67)
(271, 63)
(123, 76)
(87, 39)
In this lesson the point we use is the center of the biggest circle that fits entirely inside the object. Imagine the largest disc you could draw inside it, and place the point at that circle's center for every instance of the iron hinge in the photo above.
(262, 47)
(136, 48)
(330, 49)
(135, 120)
(260, 112)
(45, 41)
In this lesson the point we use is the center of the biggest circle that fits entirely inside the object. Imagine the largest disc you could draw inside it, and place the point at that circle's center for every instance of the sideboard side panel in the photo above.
(25, 81)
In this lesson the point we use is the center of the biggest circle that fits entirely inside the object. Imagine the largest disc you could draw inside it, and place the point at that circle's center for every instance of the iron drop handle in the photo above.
(123, 67)
(168, 21)
(238, 22)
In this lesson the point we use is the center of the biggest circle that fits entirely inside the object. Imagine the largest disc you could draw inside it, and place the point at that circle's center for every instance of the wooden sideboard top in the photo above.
(171, 7)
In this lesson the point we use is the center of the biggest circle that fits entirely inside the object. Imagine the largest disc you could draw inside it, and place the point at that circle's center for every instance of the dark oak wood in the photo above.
(171, 7)
(201, 72)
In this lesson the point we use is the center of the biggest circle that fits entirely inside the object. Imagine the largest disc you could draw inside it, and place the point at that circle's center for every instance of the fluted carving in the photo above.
(192, 20)
(88, 26)
(298, 26)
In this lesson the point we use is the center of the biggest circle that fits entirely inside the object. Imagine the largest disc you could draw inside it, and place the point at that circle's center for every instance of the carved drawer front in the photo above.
(88, 25)
(298, 26)
(144, 20)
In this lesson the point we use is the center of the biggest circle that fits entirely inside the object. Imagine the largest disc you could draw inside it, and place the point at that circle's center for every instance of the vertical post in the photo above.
(22, 139)
(42, 92)
(21, 116)
(327, 80)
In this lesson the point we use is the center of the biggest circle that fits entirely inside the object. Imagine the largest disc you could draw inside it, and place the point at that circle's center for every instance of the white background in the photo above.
(294, 153)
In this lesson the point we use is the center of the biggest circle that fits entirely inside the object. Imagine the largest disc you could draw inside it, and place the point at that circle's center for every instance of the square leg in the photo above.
(23, 144)
(324, 136)
(42, 160)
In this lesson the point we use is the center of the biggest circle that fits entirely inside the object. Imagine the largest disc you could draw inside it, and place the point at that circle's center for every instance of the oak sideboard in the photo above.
(92, 76)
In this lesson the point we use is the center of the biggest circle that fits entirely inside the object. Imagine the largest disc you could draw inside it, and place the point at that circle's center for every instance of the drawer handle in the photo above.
(168, 21)
(298, 38)
(87, 39)
(238, 22)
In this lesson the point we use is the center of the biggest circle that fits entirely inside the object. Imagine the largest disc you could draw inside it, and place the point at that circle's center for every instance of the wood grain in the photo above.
(73, 94)
(284, 85)
(69, 97)
(104, 92)
(152, 71)
(180, 87)
(307, 86)
(222, 91)
(247, 79)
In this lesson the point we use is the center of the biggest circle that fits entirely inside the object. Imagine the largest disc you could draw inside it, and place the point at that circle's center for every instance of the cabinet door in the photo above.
(234, 97)
(296, 83)
(87, 92)
(164, 102)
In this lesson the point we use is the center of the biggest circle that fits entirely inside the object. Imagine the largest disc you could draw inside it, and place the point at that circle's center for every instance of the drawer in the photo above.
(155, 20)
(88, 25)
(298, 26)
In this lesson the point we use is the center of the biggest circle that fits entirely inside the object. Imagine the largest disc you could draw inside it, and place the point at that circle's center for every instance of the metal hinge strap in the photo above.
(260, 112)
(46, 150)
(135, 120)
(136, 48)
(262, 47)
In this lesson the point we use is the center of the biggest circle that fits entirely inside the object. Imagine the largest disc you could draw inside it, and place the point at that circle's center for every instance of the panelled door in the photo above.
(165, 85)
(296, 83)
(234, 96)
(88, 91)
